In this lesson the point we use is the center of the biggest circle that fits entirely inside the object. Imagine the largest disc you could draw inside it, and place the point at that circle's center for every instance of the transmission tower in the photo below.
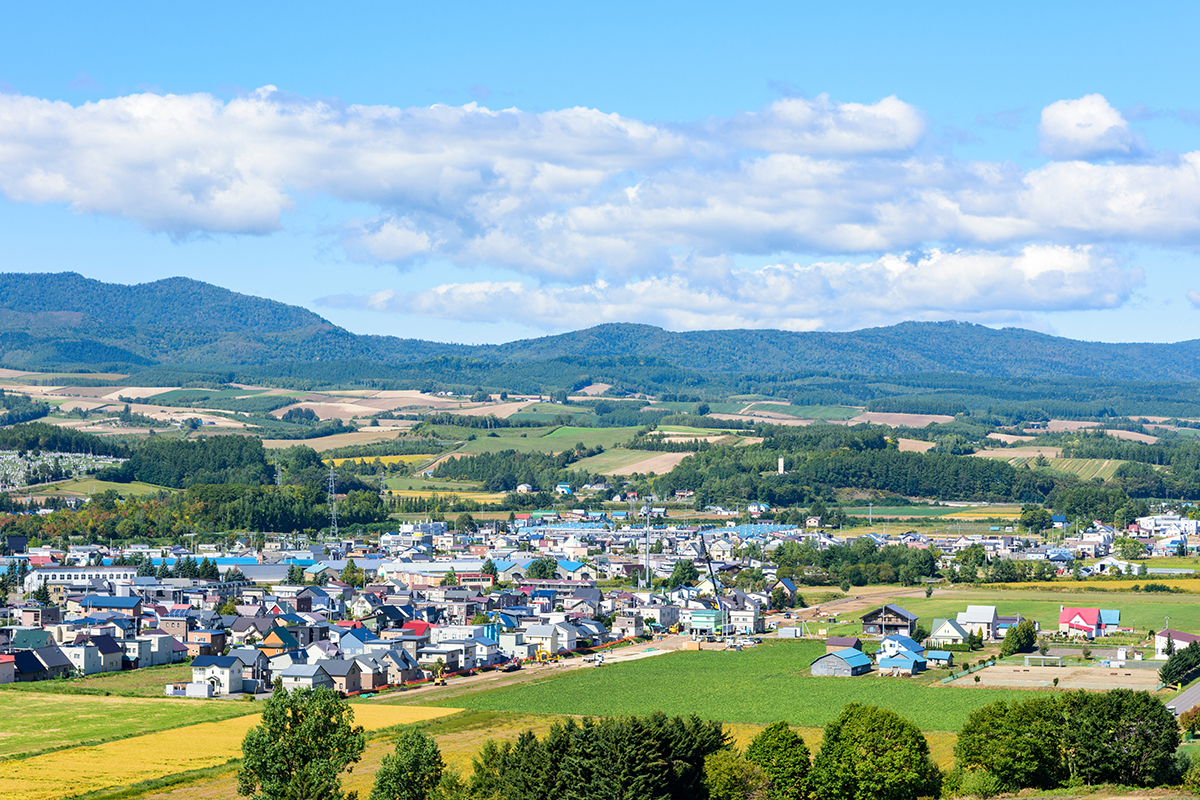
(278, 474)
(333, 528)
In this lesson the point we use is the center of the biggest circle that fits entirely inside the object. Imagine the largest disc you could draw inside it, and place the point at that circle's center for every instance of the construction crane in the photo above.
(712, 578)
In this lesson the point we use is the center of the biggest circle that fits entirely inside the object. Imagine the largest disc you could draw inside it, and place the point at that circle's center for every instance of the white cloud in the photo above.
(1085, 128)
(1193, 297)
(934, 285)
(616, 205)
(821, 126)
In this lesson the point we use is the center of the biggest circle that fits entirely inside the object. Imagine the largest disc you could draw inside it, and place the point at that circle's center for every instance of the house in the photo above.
(1179, 639)
(223, 673)
(894, 644)
(889, 619)
(255, 665)
(8, 669)
(544, 637)
(278, 640)
(305, 676)
(842, 664)
(401, 666)
(1088, 622)
(947, 631)
(628, 626)
(980, 620)
(940, 658)
(835, 643)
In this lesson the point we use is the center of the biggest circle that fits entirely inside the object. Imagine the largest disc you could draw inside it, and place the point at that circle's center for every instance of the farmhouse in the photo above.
(842, 664)
(947, 631)
(1088, 622)
(980, 620)
(903, 662)
(1178, 638)
(889, 619)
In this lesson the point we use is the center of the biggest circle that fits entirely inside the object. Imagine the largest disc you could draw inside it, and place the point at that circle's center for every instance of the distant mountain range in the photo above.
(65, 321)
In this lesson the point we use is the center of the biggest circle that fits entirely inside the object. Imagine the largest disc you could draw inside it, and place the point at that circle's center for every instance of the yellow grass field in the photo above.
(141, 758)
(337, 462)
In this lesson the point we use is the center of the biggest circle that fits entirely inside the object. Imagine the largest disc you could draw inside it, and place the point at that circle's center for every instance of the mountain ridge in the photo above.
(61, 320)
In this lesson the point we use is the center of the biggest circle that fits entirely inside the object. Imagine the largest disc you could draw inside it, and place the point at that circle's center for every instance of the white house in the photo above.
(223, 673)
(1180, 639)
(980, 620)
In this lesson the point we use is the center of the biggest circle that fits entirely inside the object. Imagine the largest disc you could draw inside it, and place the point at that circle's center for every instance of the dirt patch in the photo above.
(659, 464)
(500, 410)
(1091, 678)
(900, 420)
(915, 446)
(1133, 436)
(759, 416)
(1021, 452)
(1056, 425)
(1009, 438)
(595, 389)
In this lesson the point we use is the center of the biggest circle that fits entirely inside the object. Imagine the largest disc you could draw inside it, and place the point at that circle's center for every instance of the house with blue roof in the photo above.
(940, 658)
(892, 645)
(845, 663)
(574, 571)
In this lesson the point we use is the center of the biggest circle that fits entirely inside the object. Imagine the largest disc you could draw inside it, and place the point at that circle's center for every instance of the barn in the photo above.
(842, 664)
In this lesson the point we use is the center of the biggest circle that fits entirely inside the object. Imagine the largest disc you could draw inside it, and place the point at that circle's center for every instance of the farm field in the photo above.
(611, 461)
(903, 511)
(757, 686)
(146, 682)
(408, 459)
(323, 443)
(142, 758)
(809, 412)
(1085, 468)
(90, 486)
(39, 721)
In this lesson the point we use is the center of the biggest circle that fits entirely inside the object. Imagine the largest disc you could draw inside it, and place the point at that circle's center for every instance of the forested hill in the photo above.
(67, 321)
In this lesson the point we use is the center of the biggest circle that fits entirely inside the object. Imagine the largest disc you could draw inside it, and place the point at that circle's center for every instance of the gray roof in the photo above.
(303, 671)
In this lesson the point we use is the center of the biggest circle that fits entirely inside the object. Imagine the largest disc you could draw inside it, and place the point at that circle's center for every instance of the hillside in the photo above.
(64, 320)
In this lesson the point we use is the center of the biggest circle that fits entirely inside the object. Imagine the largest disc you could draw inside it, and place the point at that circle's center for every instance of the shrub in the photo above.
(981, 784)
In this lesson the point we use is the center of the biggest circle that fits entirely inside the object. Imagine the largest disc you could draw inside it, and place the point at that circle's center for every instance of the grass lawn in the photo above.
(39, 721)
(146, 682)
(756, 686)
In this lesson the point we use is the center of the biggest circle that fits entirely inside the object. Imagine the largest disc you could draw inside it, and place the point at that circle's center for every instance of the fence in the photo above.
(955, 676)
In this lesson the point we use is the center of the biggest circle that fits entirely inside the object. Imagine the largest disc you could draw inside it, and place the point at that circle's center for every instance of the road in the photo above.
(1187, 699)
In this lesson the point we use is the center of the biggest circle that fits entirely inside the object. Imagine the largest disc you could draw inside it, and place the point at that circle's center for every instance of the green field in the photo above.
(759, 685)
(687, 408)
(534, 440)
(39, 721)
(683, 430)
(147, 682)
(173, 396)
(1085, 468)
(902, 511)
(611, 460)
(810, 412)
(431, 485)
(89, 486)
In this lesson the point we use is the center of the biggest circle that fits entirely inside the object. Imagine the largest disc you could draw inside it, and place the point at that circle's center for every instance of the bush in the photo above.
(981, 784)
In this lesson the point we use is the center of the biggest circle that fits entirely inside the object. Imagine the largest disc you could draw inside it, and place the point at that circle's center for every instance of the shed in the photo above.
(940, 658)
(843, 663)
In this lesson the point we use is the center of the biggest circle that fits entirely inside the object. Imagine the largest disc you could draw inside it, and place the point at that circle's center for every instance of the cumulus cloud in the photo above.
(1088, 127)
(623, 208)
(1193, 297)
(932, 285)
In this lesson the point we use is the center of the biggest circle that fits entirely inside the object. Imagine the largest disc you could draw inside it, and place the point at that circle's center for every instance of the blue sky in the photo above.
(486, 173)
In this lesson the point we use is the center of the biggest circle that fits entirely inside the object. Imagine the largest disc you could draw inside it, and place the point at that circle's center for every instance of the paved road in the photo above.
(1186, 699)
